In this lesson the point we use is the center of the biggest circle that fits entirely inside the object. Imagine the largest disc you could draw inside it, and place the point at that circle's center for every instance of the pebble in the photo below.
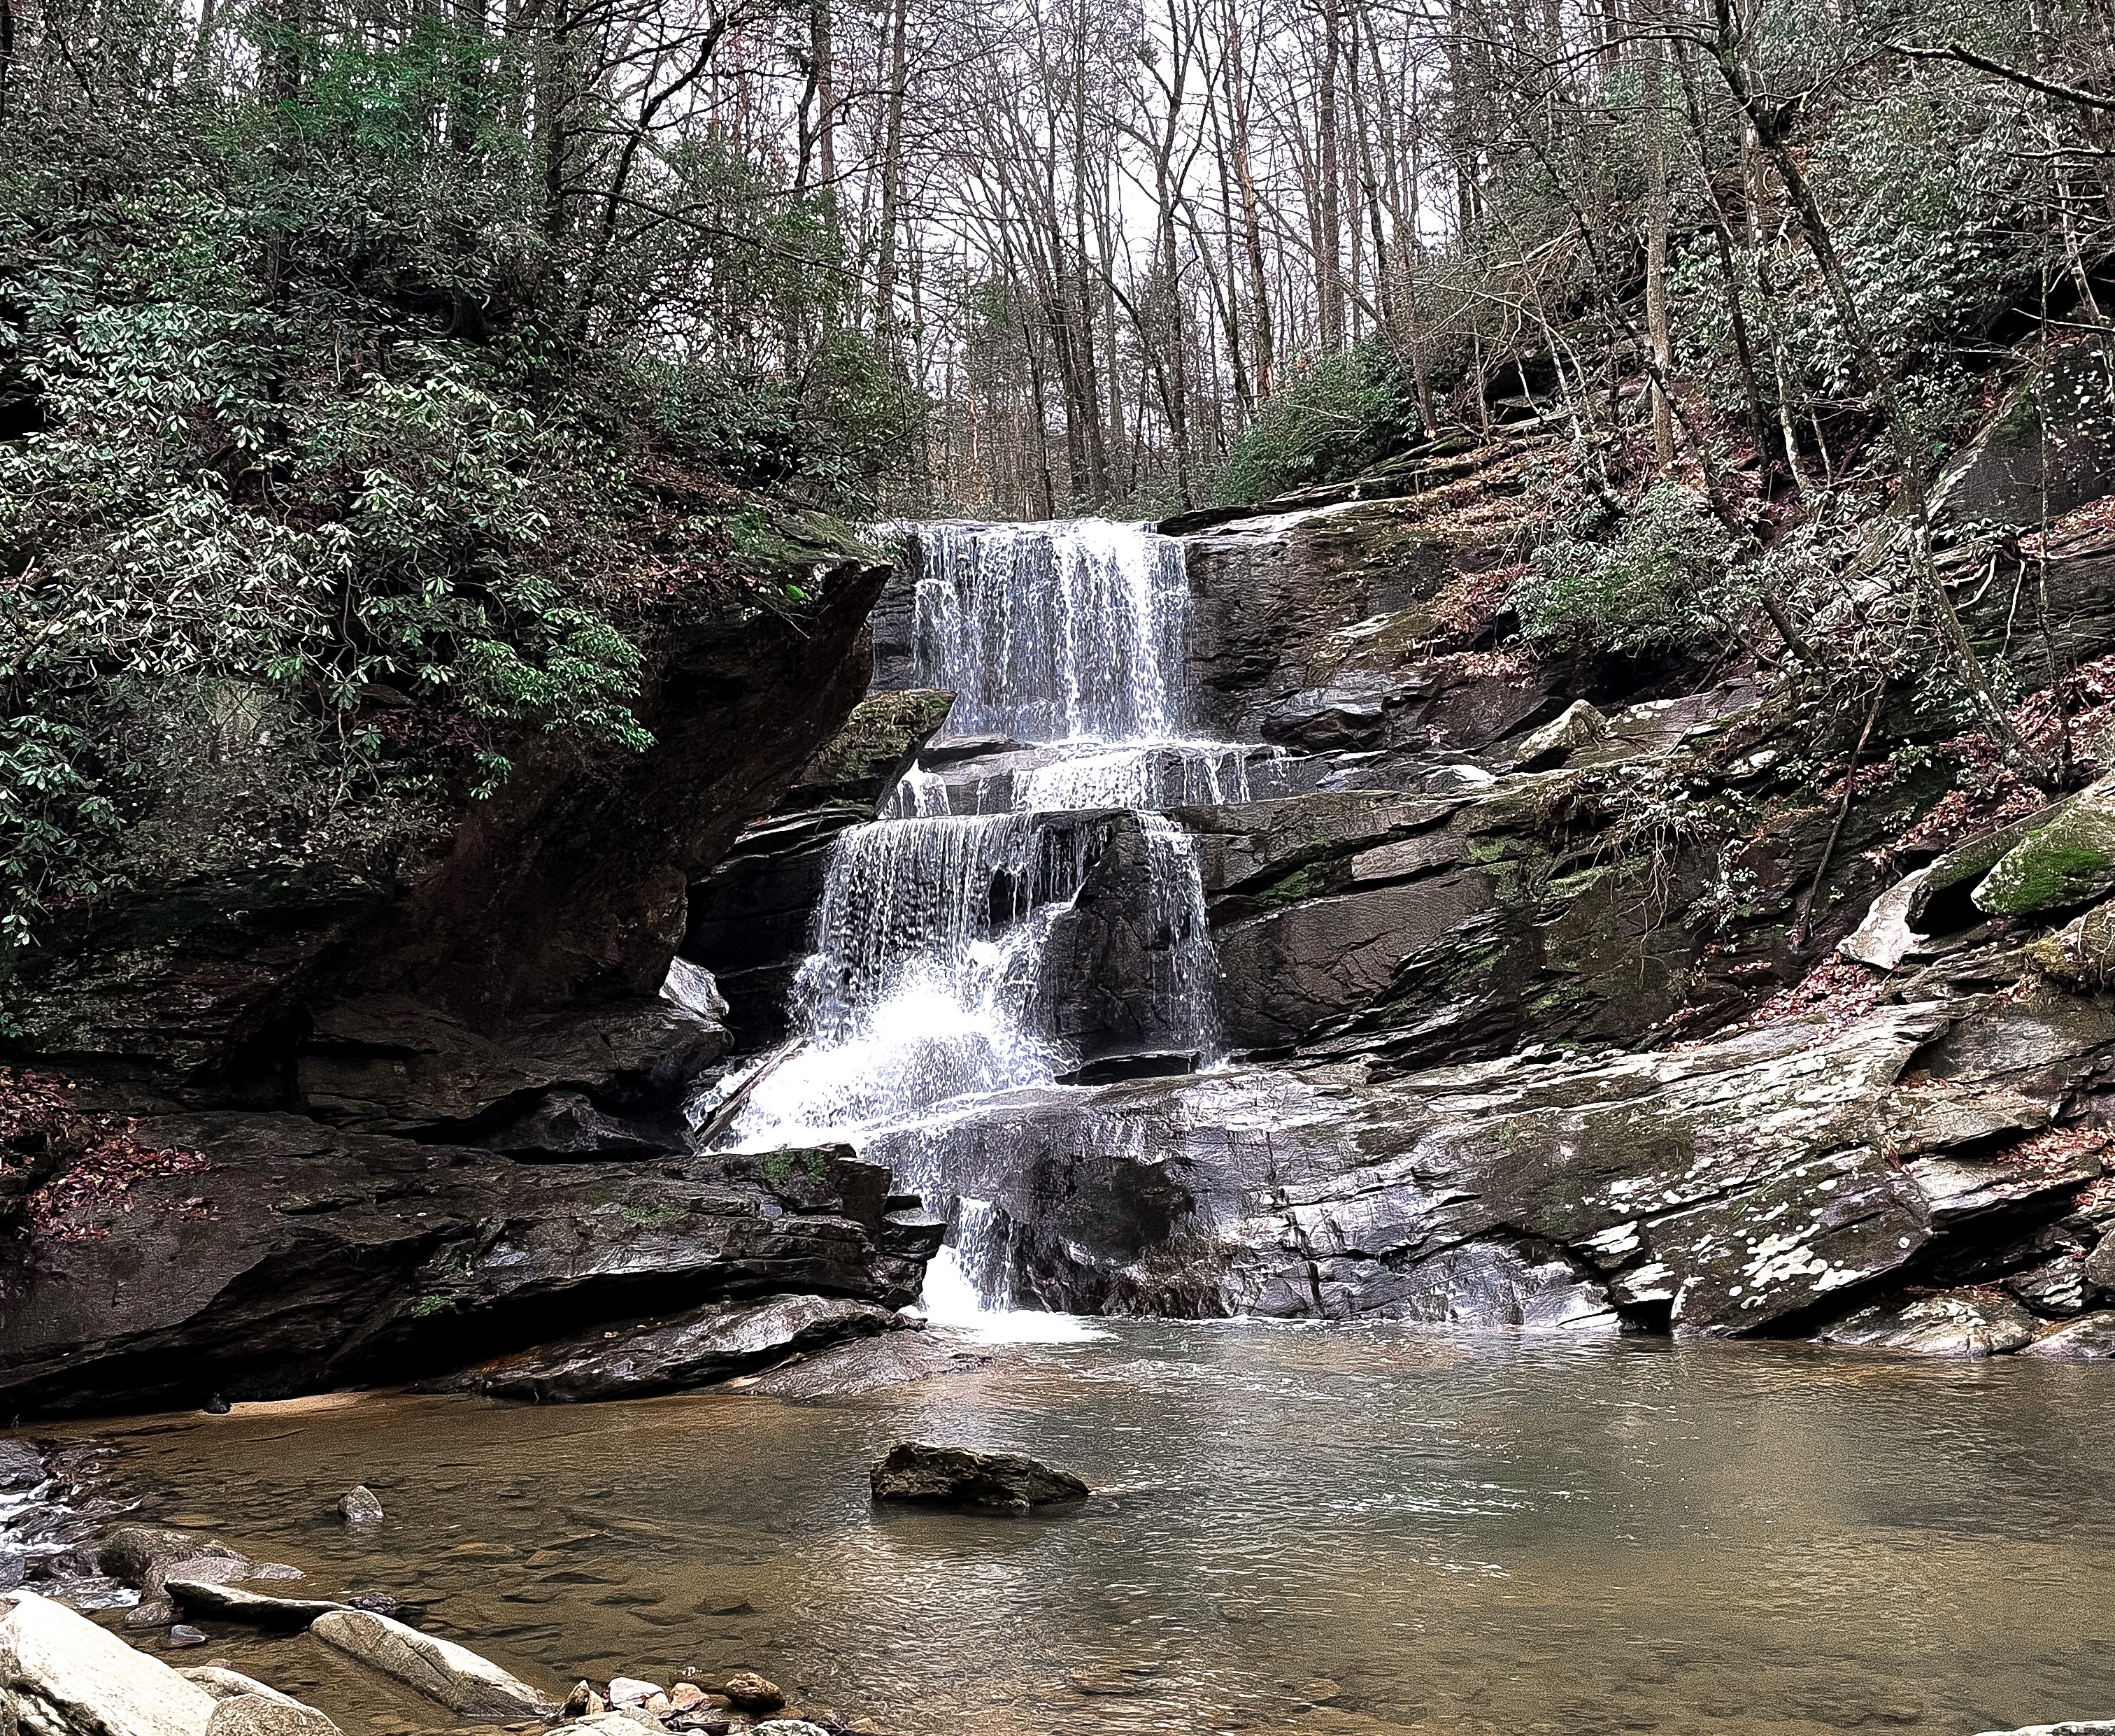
(184, 1634)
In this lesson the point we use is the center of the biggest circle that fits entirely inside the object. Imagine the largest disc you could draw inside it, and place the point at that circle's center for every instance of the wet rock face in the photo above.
(317, 1258)
(748, 917)
(1762, 1184)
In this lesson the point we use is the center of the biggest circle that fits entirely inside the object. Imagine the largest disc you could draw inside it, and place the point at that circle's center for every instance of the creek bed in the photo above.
(1316, 1529)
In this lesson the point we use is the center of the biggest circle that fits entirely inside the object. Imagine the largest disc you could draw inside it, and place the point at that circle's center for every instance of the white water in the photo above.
(931, 986)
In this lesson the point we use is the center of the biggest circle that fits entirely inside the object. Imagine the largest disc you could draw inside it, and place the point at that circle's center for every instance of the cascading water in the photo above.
(930, 988)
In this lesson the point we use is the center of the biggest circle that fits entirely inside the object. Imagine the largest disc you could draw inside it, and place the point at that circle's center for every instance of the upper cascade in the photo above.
(1073, 631)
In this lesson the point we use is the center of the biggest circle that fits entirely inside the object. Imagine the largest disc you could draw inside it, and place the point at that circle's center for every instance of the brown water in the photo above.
(1313, 1530)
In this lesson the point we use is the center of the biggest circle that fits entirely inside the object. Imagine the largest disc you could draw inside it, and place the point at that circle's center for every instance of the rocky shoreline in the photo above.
(62, 1675)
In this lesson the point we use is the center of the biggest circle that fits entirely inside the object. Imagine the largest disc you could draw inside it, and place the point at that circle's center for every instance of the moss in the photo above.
(652, 1217)
(1300, 884)
(2069, 861)
(778, 1166)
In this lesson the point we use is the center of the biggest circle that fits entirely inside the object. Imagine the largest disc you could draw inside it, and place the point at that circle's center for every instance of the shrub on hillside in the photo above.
(1332, 418)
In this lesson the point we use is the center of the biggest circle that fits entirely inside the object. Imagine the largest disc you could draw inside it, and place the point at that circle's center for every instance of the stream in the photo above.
(1345, 1528)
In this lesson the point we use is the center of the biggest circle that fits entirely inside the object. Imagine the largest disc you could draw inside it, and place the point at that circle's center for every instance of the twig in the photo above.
(1804, 926)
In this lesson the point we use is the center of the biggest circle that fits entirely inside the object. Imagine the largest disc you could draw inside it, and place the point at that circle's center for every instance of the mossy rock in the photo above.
(2068, 862)
(2080, 955)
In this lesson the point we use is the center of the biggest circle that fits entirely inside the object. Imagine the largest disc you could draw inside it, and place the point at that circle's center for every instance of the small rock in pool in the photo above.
(959, 1477)
(216, 1406)
(184, 1634)
(630, 1691)
(753, 1693)
(358, 1505)
(377, 1603)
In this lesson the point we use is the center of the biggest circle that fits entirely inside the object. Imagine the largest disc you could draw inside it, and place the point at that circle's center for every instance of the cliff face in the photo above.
(335, 1125)
(1589, 996)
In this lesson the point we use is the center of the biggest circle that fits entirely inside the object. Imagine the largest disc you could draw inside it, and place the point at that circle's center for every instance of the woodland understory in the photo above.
(384, 386)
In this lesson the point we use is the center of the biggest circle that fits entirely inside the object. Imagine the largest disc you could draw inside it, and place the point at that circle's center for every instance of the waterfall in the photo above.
(1058, 632)
(937, 979)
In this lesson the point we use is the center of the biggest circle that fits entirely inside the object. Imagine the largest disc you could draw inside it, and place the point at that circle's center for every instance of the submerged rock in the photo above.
(184, 1635)
(62, 1675)
(454, 1675)
(961, 1476)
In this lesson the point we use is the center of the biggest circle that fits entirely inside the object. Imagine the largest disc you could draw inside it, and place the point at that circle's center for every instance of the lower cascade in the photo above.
(946, 947)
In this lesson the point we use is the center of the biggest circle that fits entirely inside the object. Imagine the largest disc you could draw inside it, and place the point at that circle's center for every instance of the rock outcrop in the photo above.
(308, 1256)
(373, 1118)
(1768, 1182)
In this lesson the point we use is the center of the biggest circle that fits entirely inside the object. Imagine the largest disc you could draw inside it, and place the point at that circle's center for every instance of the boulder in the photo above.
(2051, 448)
(268, 1715)
(961, 1476)
(2067, 862)
(693, 1348)
(2081, 954)
(224, 1684)
(62, 1675)
(862, 763)
(752, 1693)
(238, 1604)
(473, 1686)
(146, 1557)
(2085, 1727)
(2089, 1339)
(1580, 724)
(1959, 1323)
(2099, 1269)
(21, 1465)
(358, 1506)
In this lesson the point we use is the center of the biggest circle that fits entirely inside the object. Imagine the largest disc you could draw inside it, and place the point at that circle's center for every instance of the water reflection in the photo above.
(1312, 1529)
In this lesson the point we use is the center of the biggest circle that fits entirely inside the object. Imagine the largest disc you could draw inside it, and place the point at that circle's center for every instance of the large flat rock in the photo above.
(1749, 1186)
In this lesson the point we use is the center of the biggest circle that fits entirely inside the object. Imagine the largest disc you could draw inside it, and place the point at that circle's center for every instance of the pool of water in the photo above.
(1304, 1528)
